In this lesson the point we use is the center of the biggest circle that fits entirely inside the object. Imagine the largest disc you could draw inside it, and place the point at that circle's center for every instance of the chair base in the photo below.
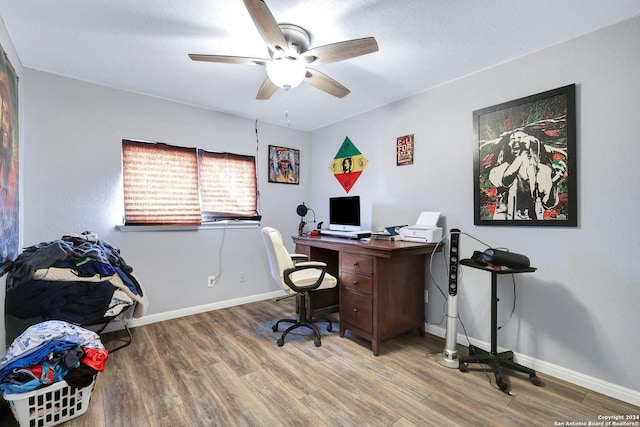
(298, 323)
(302, 321)
(496, 361)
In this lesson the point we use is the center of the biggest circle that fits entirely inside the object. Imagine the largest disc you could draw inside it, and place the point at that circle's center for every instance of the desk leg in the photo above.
(375, 346)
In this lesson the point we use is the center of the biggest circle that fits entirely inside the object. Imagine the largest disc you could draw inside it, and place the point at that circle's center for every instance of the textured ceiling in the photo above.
(142, 46)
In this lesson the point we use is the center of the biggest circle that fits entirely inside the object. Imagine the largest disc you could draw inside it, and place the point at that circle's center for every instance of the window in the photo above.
(228, 186)
(169, 185)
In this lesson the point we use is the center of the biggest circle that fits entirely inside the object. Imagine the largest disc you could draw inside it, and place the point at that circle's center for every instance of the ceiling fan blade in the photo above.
(267, 89)
(228, 59)
(340, 51)
(266, 24)
(325, 83)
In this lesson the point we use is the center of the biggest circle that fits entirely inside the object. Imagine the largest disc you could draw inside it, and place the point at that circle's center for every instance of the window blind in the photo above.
(160, 184)
(228, 185)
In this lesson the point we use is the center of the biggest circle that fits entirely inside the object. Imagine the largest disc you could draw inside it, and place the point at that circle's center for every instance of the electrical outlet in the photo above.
(211, 281)
(242, 278)
(426, 297)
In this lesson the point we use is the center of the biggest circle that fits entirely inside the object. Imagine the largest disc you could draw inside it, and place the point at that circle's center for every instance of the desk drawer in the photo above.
(357, 263)
(356, 310)
(356, 282)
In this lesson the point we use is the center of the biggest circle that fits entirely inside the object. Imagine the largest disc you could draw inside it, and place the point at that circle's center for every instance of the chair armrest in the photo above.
(298, 257)
(316, 265)
(312, 264)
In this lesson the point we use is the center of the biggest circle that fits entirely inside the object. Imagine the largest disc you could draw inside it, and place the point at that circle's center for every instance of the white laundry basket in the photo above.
(51, 405)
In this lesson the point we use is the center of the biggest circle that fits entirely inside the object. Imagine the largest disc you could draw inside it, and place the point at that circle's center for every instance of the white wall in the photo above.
(579, 311)
(72, 183)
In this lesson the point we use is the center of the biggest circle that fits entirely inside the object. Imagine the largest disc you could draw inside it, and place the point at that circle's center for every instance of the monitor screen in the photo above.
(344, 213)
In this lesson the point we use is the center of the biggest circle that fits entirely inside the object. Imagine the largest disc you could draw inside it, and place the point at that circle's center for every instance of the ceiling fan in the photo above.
(288, 47)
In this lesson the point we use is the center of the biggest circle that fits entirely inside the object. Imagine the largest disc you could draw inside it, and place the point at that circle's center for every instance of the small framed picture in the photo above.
(404, 150)
(284, 165)
(524, 161)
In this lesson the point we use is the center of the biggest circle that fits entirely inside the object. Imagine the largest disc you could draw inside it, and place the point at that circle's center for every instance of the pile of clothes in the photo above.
(80, 279)
(49, 352)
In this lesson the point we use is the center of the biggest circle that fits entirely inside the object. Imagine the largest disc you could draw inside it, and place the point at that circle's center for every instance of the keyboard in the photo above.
(347, 234)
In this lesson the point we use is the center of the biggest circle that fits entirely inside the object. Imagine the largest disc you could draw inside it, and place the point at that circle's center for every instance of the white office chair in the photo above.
(301, 278)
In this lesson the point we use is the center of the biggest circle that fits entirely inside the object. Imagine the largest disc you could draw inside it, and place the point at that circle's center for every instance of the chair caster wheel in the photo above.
(463, 366)
(329, 328)
(317, 343)
(535, 380)
(274, 328)
(503, 386)
(280, 342)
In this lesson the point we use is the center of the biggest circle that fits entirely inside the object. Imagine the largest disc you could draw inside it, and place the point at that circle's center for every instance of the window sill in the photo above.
(217, 225)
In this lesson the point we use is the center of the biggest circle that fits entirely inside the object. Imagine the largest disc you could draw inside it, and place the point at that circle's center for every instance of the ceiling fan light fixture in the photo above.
(288, 46)
(286, 72)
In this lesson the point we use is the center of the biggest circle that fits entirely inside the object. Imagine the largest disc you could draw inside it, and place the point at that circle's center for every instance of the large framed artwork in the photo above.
(8, 163)
(284, 165)
(525, 161)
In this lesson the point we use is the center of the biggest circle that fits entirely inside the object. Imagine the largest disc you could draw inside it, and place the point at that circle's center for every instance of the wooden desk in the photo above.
(381, 283)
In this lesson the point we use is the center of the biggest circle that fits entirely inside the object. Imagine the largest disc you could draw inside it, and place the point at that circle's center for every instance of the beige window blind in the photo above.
(169, 185)
(228, 187)
(160, 184)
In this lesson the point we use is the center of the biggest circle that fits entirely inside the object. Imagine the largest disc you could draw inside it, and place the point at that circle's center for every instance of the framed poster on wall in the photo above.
(284, 165)
(8, 163)
(525, 161)
(404, 150)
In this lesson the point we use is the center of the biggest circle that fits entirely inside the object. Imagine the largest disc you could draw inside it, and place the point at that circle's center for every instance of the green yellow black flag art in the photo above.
(348, 164)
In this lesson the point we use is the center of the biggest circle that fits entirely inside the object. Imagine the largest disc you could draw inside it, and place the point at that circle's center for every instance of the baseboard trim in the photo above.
(604, 387)
(174, 314)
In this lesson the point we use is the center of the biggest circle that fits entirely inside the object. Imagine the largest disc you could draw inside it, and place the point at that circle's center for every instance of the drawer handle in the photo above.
(355, 310)
(355, 283)
(355, 264)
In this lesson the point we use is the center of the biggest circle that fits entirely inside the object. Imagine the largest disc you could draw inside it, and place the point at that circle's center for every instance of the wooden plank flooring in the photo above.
(223, 368)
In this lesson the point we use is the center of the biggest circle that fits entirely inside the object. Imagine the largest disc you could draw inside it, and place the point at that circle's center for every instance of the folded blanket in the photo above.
(68, 274)
(73, 301)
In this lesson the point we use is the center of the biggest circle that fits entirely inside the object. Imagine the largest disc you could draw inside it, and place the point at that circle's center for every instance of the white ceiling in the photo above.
(142, 46)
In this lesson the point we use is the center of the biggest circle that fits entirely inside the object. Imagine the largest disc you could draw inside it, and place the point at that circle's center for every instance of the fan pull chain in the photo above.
(286, 110)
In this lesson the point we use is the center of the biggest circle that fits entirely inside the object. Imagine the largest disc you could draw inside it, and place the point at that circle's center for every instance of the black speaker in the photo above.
(454, 259)
(301, 210)
(504, 258)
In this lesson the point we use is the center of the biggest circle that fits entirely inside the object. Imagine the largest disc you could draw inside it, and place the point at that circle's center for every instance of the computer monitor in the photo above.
(344, 213)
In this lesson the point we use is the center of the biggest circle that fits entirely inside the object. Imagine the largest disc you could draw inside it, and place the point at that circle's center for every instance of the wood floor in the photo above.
(223, 368)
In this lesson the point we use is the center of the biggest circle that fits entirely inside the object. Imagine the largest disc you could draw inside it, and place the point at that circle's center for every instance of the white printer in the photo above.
(426, 229)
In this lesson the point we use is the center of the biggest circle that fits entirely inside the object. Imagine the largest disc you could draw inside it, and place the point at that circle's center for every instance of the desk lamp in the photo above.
(302, 212)
(449, 357)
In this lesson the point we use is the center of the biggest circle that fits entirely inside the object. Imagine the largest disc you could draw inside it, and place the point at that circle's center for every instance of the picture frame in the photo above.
(404, 150)
(9, 212)
(284, 165)
(524, 161)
